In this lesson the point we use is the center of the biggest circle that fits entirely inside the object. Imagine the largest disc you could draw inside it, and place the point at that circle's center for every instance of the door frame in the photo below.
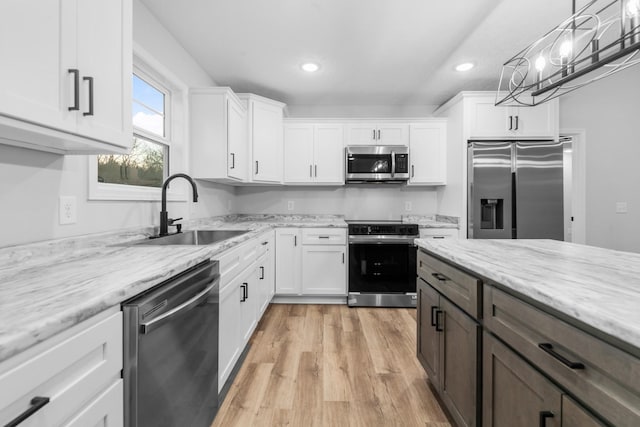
(578, 196)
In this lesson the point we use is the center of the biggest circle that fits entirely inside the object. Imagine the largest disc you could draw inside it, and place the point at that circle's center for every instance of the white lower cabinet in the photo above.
(78, 371)
(311, 261)
(324, 270)
(246, 289)
(288, 265)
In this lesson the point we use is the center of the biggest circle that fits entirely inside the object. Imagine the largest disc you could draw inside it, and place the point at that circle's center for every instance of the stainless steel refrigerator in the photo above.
(515, 190)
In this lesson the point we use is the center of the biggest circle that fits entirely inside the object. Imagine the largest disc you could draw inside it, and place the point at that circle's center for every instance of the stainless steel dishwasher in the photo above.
(171, 351)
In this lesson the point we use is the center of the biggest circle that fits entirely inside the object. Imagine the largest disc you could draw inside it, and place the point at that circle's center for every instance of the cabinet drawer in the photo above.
(324, 236)
(608, 380)
(439, 233)
(460, 287)
(70, 374)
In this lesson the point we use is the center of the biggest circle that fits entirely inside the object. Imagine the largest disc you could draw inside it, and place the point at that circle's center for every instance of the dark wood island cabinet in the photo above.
(499, 357)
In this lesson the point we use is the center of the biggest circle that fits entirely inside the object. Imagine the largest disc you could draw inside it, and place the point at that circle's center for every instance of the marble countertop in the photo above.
(594, 286)
(47, 287)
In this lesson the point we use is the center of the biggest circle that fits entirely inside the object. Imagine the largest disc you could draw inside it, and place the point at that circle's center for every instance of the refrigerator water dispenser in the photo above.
(492, 214)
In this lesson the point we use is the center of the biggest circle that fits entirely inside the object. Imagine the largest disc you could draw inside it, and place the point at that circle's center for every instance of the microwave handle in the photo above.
(393, 163)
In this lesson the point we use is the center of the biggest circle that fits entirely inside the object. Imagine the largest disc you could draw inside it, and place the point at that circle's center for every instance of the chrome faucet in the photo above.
(165, 221)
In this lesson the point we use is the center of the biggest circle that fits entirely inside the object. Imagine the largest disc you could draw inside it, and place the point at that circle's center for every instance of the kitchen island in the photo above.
(552, 328)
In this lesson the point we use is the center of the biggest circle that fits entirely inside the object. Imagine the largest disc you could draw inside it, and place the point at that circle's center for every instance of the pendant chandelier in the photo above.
(596, 41)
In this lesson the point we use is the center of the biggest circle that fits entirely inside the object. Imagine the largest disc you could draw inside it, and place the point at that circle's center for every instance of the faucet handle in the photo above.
(170, 221)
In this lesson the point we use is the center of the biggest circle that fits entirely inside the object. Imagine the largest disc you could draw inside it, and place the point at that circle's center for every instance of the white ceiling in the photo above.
(371, 52)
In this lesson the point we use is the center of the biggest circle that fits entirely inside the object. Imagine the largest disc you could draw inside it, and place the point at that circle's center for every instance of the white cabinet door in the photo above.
(324, 270)
(262, 283)
(298, 153)
(329, 154)
(249, 304)
(361, 134)
(428, 154)
(237, 161)
(106, 410)
(37, 42)
(392, 134)
(487, 120)
(229, 330)
(104, 38)
(288, 267)
(540, 121)
(266, 141)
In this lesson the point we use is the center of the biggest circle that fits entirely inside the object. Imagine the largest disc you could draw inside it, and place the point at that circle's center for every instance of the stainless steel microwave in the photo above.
(375, 163)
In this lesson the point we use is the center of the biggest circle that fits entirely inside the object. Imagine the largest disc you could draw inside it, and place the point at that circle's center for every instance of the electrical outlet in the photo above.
(290, 205)
(621, 207)
(408, 206)
(68, 211)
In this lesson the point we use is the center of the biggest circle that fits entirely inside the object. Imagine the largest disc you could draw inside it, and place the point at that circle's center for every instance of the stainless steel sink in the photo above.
(194, 237)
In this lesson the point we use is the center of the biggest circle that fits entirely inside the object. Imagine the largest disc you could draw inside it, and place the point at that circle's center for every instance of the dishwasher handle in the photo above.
(147, 327)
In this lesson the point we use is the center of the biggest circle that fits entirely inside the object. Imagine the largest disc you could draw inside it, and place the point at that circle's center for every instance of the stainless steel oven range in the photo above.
(382, 264)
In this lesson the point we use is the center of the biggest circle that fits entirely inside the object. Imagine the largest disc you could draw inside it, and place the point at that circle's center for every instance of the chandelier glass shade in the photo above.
(596, 41)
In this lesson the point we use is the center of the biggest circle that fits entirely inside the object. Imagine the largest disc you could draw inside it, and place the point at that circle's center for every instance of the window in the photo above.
(160, 129)
(147, 164)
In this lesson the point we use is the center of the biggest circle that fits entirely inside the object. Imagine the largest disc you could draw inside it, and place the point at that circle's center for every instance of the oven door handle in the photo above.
(390, 241)
(147, 327)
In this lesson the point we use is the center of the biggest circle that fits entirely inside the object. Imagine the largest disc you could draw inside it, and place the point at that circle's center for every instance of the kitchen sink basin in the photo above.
(194, 237)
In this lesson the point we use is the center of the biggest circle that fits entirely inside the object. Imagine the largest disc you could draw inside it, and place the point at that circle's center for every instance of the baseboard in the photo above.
(322, 299)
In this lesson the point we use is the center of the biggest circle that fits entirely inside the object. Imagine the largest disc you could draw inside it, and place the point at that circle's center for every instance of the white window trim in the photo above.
(177, 137)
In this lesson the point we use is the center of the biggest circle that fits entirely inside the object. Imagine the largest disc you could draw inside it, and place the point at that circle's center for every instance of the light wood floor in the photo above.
(331, 365)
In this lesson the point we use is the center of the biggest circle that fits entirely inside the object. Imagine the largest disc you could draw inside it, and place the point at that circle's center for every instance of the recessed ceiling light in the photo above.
(310, 67)
(464, 67)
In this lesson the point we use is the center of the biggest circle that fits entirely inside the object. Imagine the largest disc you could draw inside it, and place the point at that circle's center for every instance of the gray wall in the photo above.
(609, 113)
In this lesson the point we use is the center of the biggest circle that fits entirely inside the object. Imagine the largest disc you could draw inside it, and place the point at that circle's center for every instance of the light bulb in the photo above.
(465, 66)
(310, 67)
(541, 63)
(565, 49)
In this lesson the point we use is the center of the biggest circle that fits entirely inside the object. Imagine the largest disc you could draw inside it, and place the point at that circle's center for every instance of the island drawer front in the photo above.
(324, 236)
(70, 373)
(609, 382)
(461, 288)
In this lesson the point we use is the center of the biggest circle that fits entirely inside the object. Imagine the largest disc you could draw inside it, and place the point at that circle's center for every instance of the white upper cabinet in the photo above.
(489, 121)
(428, 153)
(313, 153)
(218, 135)
(66, 83)
(369, 133)
(265, 123)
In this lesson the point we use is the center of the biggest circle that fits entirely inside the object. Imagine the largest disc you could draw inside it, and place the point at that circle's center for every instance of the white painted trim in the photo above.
(579, 198)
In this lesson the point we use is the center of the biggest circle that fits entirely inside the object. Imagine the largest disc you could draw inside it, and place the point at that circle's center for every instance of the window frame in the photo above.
(176, 104)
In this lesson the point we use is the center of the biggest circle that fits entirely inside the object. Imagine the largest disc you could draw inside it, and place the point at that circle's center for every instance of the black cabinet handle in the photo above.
(441, 277)
(310, 171)
(548, 348)
(433, 315)
(374, 134)
(315, 168)
(257, 167)
(378, 134)
(233, 161)
(510, 122)
(413, 172)
(90, 80)
(76, 89)
(343, 257)
(244, 292)
(517, 118)
(295, 240)
(261, 273)
(36, 404)
(439, 327)
(543, 417)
